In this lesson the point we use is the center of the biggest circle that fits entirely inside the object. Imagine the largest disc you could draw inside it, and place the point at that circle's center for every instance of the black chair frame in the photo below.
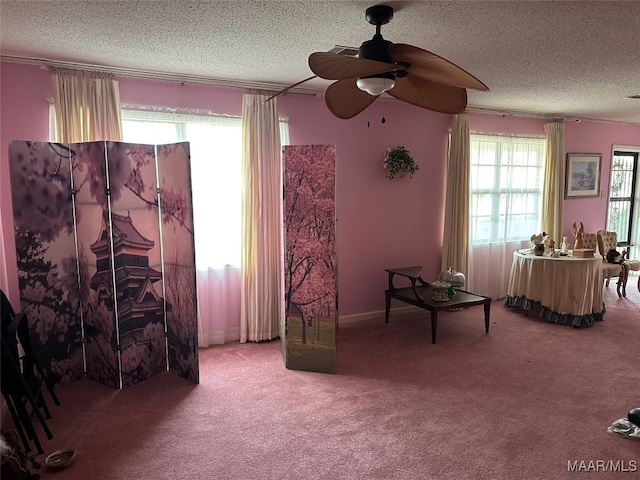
(22, 377)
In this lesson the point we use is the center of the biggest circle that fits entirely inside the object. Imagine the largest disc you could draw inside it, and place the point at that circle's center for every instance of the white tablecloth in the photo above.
(565, 290)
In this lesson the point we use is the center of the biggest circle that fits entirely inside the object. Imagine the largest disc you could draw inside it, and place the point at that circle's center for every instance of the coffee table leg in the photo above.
(434, 325)
(387, 307)
(487, 308)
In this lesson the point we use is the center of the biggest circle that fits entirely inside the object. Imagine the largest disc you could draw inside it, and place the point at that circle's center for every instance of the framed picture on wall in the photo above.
(583, 175)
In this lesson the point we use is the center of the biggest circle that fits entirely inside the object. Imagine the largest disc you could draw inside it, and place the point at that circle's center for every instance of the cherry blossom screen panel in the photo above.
(137, 260)
(179, 274)
(94, 263)
(90, 263)
(310, 258)
(46, 254)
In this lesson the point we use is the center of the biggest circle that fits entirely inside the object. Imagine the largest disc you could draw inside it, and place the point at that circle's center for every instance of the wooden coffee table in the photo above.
(420, 292)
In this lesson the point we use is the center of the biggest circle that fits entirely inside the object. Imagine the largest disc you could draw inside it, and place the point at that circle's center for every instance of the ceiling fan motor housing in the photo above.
(376, 49)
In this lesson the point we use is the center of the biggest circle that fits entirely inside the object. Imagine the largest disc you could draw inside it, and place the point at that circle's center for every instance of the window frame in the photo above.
(632, 199)
(184, 122)
(498, 194)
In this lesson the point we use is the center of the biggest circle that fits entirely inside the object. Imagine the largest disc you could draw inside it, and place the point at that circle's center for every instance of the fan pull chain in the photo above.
(384, 120)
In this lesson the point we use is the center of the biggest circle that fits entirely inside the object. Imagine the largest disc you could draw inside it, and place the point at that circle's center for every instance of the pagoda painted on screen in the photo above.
(138, 302)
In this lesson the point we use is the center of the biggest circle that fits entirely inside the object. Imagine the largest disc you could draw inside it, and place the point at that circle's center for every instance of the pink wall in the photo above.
(24, 115)
(175, 95)
(381, 223)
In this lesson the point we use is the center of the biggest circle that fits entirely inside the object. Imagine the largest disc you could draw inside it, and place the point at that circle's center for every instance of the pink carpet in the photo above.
(522, 402)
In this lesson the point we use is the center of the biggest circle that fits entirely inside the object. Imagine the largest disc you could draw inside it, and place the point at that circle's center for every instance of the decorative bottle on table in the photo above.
(563, 246)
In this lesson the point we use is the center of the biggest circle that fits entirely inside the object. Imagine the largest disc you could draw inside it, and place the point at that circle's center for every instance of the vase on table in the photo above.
(563, 246)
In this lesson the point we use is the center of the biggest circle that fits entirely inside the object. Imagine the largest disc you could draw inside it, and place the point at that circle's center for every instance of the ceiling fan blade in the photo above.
(332, 66)
(430, 95)
(345, 100)
(284, 90)
(430, 66)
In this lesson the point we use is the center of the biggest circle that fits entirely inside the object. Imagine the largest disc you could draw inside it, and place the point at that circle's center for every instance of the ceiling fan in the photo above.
(405, 72)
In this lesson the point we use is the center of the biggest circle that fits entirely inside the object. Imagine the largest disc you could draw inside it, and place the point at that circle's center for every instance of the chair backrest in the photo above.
(590, 241)
(7, 312)
(16, 343)
(13, 329)
(5, 305)
(10, 357)
(606, 241)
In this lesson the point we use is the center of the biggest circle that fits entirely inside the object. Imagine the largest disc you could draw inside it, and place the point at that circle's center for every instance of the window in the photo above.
(216, 174)
(507, 176)
(624, 170)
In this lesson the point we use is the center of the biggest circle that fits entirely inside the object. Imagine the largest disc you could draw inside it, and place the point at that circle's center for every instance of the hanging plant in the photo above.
(398, 162)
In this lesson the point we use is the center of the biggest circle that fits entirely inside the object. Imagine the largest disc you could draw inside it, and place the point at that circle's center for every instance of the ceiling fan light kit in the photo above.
(408, 73)
(376, 85)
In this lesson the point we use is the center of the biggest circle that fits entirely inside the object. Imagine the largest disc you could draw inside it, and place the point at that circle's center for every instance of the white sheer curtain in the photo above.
(216, 177)
(86, 108)
(553, 194)
(261, 293)
(455, 244)
(506, 198)
(218, 305)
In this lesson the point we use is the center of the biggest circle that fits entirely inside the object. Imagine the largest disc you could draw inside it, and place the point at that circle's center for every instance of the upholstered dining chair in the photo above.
(609, 270)
(609, 240)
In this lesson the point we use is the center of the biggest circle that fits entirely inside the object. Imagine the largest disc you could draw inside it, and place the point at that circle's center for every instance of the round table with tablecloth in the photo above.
(566, 290)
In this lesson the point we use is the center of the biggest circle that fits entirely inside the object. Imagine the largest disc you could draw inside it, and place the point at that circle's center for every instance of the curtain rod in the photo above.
(153, 75)
(508, 135)
(74, 72)
(179, 111)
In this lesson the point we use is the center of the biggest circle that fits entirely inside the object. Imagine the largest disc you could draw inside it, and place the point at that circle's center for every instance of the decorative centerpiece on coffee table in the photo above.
(453, 278)
(440, 291)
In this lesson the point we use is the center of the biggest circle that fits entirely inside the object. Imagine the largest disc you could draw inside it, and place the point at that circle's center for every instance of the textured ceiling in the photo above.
(568, 59)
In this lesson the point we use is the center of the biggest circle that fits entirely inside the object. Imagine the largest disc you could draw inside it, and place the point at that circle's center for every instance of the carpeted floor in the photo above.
(529, 400)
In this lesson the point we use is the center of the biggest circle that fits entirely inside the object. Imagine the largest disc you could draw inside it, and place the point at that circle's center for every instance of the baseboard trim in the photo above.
(359, 317)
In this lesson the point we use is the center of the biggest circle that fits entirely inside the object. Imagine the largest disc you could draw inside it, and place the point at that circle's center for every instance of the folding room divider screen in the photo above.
(106, 259)
(311, 272)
